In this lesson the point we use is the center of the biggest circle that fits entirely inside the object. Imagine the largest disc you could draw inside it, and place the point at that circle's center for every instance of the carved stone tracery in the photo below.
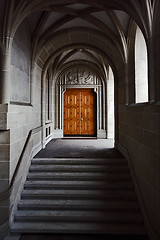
(79, 77)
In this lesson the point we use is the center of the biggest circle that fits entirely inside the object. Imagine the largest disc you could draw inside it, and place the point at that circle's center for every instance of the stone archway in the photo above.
(80, 78)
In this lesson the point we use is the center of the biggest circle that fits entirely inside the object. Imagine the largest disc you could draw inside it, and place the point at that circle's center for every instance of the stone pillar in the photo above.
(110, 105)
(5, 78)
(155, 68)
(43, 109)
(4, 142)
(32, 76)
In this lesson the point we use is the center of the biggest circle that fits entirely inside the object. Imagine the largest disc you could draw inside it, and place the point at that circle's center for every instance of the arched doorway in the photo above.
(81, 84)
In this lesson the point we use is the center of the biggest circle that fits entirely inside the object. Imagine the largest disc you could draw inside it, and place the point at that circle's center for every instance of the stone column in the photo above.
(5, 77)
(155, 69)
(32, 76)
(110, 105)
(4, 142)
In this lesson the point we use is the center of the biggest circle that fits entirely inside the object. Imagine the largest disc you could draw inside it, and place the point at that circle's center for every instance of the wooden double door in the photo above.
(80, 112)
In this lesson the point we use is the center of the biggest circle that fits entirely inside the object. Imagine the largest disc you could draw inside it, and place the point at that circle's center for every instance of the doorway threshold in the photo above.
(80, 138)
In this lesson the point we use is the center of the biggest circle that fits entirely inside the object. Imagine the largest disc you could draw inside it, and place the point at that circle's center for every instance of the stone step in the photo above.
(79, 161)
(78, 216)
(77, 168)
(78, 194)
(95, 205)
(78, 176)
(12, 236)
(90, 228)
(77, 185)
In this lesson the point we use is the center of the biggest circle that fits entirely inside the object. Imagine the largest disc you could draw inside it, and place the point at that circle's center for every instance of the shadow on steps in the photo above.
(82, 237)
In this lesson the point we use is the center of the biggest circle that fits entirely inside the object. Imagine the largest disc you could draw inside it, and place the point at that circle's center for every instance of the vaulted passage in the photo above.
(73, 71)
(80, 112)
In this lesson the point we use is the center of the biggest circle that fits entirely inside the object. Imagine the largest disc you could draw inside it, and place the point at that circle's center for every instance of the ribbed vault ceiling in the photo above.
(78, 24)
(65, 31)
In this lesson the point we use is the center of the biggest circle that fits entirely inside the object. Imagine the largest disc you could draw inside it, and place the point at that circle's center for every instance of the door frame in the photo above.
(95, 116)
(100, 116)
(99, 88)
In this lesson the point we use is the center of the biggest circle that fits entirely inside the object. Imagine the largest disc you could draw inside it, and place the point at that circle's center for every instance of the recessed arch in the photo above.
(130, 81)
(85, 46)
(77, 63)
(83, 77)
(141, 68)
(88, 55)
(57, 53)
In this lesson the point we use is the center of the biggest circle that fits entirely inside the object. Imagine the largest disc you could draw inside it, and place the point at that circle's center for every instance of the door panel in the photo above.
(71, 113)
(87, 113)
(79, 112)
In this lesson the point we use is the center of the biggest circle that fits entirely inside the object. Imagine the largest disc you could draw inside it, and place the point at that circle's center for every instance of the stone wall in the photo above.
(18, 118)
(139, 140)
(20, 65)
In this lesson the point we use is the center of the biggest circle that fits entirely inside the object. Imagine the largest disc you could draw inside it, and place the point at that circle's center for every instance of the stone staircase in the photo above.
(78, 196)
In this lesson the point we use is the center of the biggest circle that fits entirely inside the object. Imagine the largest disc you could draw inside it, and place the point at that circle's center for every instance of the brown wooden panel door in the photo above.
(71, 113)
(87, 112)
(79, 112)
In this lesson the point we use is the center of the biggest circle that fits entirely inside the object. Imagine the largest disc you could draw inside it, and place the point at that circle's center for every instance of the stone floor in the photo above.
(84, 148)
